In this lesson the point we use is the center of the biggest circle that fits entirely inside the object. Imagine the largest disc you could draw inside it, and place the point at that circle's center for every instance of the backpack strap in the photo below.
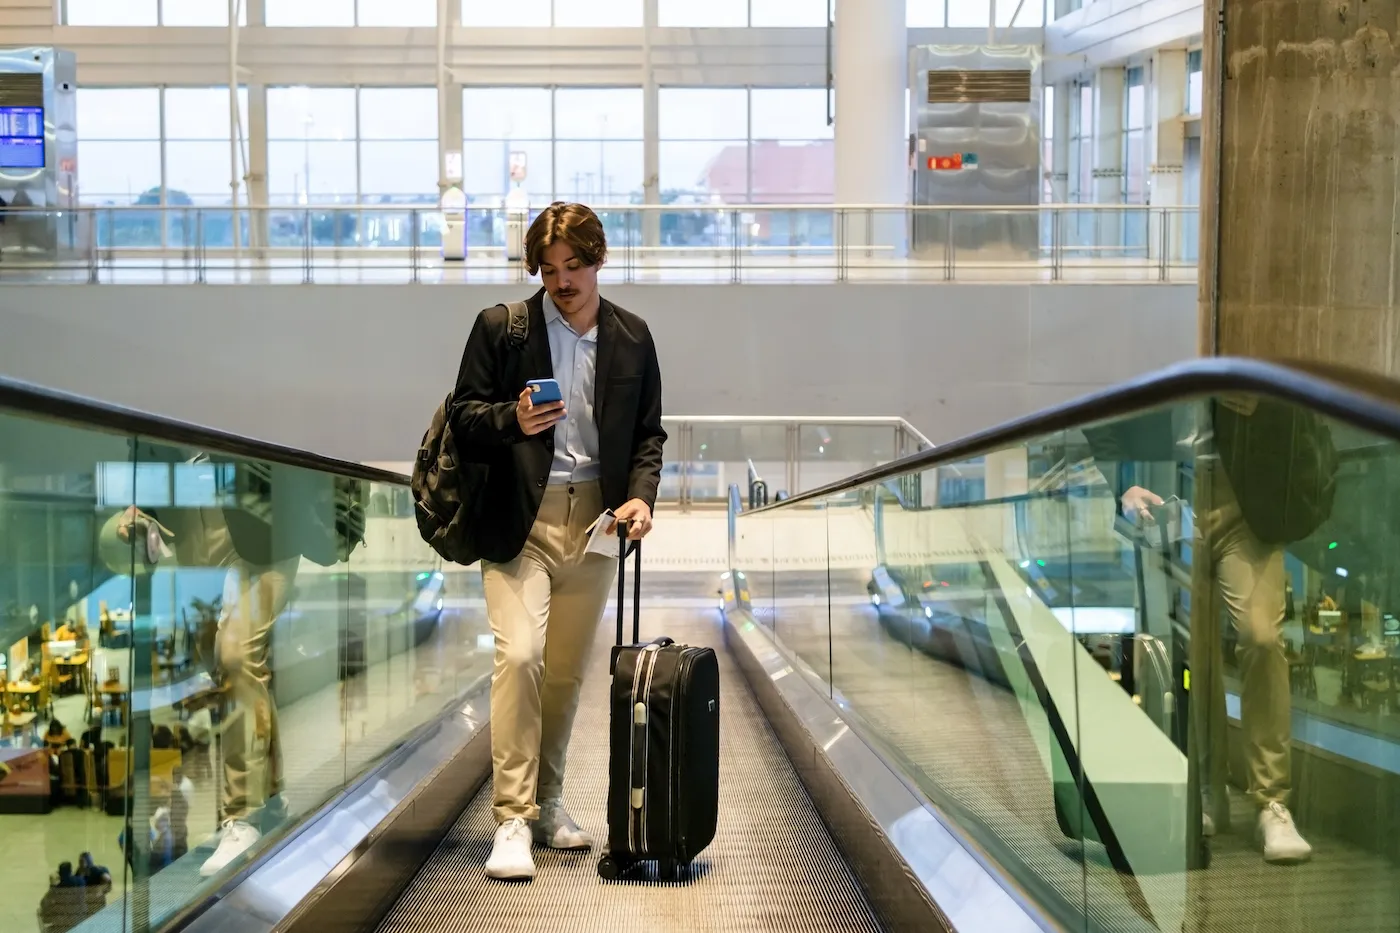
(518, 328)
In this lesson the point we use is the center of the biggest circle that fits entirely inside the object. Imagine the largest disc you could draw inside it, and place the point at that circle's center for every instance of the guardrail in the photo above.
(705, 453)
(671, 243)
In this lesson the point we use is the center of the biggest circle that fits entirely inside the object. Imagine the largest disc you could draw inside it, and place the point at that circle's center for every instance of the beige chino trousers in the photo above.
(544, 607)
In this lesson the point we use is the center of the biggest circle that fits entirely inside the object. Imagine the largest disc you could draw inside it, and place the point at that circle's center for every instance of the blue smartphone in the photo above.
(545, 391)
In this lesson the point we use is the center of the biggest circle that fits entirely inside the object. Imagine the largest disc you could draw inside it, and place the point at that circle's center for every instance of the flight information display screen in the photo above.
(21, 137)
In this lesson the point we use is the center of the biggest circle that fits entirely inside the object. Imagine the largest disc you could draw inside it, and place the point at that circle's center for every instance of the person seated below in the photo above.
(57, 738)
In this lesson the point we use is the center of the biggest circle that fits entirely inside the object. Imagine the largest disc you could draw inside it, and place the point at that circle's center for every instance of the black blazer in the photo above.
(626, 408)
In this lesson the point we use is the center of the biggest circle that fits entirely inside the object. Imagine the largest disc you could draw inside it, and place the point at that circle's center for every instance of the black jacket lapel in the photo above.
(607, 343)
(541, 362)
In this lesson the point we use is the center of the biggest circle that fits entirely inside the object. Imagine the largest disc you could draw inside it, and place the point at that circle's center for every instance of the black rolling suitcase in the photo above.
(663, 777)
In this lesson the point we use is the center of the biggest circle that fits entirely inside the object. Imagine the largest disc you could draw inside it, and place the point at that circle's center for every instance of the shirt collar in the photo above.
(552, 315)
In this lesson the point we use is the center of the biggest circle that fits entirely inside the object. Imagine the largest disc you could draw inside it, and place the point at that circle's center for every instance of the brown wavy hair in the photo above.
(575, 224)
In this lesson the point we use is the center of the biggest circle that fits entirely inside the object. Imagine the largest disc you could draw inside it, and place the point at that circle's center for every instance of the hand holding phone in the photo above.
(535, 410)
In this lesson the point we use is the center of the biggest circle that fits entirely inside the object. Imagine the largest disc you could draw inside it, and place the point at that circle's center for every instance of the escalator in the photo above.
(961, 691)
(773, 864)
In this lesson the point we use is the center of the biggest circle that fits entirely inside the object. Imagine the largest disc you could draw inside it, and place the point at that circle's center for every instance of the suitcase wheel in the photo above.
(610, 868)
(672, 870)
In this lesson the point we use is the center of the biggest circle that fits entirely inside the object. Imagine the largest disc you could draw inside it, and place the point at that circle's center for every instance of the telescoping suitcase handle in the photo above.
(622, 544)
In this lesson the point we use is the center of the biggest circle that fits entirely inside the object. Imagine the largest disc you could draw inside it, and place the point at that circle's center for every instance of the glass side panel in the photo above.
(1149, 665)
(200, 650)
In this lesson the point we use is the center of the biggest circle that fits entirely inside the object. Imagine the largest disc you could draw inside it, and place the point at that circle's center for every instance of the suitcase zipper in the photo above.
(644, 803)
(632, 757)
(677, 754)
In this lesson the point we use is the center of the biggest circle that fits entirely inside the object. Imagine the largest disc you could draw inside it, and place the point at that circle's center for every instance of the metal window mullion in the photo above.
(164, 184)
(748, 143)
(553, 132)
(359, 167)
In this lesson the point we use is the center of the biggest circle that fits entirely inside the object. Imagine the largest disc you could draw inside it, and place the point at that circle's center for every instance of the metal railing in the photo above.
(704, 453)
(671, 243)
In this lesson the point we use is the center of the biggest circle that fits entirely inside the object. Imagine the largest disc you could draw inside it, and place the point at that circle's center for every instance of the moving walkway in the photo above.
(963, 690)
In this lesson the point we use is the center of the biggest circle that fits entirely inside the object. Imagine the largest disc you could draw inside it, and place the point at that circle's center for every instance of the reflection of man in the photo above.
(253, 597)
(1232, 564)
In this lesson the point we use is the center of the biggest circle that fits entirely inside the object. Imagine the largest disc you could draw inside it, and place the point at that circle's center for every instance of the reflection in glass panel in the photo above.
(598, 113)
(1134, 660)
(506, 113)
(787, 12)
(310, 12)
(924, 13)
(969, 12)
(397, 12)
(112, 13)
(517, 13)
(716, 13)
(1022, 13)
(597, 13)
(62, 727)
(599, 172)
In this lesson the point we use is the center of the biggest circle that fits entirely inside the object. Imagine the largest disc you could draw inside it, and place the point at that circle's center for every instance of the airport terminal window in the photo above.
(598, 144)
(598, 13)
(120, 154)
(594, 13)
(921, 14)
(792, 152)
(398, 145)
(199, 13)
(310, 152)
(396, 13)
(1135, 137)
(198, 162)
(715, 13)
(704, 136)
(310, 12)
(1047, 143)
(1194, 82)
(516, 13)
(570, 143)
(787, 13)
(499, 121)
(112, 13)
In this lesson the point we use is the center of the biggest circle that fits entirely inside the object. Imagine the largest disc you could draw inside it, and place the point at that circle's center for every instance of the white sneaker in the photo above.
(556, 830)
(510, 854)
(1282, 843)
(236, 837)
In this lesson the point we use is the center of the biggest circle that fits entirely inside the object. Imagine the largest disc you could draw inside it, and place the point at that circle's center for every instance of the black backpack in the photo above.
(1282, 464)
(446, 486)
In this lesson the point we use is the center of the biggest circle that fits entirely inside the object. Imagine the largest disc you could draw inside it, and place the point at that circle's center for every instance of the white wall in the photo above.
(355, 371)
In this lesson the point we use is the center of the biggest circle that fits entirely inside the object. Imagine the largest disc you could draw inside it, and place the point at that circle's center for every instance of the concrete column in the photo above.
(1108, 156)
(871, 53)
(651, 130)
(1059, 143)
(1168, 148)
(257, 12)
(256, 131)
(1300, 246)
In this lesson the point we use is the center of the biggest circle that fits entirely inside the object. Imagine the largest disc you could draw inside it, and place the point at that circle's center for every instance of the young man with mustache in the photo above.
(553, 469)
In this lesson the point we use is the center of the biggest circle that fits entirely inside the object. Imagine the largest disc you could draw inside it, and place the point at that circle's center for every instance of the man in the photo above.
(554, 468)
